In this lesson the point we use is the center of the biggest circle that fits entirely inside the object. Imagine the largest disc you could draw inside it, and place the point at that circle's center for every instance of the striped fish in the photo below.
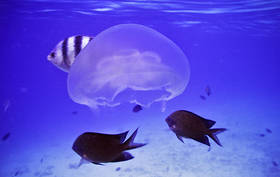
(63, 55)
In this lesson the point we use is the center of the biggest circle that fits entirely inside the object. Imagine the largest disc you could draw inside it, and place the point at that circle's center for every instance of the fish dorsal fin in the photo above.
(118, 137)
(208, 123)
(121, 137)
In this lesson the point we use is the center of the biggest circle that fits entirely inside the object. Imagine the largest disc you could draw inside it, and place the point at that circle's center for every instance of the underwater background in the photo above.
(232, 47)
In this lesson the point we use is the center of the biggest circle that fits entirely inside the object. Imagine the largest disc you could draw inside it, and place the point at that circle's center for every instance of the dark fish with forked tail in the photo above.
(100, 148)
(189, 125)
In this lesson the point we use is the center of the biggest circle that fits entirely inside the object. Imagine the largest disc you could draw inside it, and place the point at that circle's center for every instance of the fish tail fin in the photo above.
(213, 132)
(129, 144)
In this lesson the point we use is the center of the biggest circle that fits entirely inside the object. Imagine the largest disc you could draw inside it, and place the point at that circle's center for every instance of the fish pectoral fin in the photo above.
(180, 138)
(202, 139)
(123, 157)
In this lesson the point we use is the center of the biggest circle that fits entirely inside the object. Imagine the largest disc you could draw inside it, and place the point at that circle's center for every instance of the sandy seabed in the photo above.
(245, 152)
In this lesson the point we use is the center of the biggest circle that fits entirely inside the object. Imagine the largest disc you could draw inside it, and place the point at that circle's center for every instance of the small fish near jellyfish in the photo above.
(207, 91)
(137, 108)
(128, 58)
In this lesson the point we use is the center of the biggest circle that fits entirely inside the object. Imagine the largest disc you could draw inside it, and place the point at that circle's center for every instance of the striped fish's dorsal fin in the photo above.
(81, 42)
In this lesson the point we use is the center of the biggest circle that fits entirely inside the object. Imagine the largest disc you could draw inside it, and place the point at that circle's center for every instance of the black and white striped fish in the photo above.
(63, 55)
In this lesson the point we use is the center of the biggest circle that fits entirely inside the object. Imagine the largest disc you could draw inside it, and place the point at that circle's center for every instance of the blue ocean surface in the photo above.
(232, 48)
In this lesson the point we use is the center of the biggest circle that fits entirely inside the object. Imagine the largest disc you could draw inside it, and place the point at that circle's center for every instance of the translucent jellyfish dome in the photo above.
(128, 63)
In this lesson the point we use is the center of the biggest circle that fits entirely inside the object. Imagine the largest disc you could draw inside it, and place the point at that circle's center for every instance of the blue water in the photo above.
(232, 46)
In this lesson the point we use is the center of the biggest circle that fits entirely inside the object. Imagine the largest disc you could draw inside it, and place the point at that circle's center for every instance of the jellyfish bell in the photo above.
(128, 63)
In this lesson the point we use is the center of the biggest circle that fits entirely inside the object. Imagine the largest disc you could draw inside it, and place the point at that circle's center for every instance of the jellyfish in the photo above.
(128, 63)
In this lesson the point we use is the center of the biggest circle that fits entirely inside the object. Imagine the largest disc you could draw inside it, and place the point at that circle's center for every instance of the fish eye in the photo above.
(52, 54)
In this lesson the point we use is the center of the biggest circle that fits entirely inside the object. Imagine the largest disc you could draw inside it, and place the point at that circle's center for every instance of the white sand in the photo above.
(245, 154)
